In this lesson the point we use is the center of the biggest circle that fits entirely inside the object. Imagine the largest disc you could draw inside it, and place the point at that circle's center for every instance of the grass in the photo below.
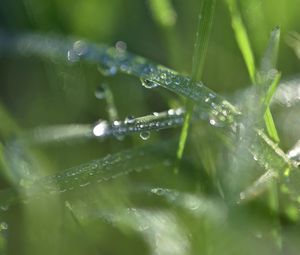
(94, 165)
(202, 37)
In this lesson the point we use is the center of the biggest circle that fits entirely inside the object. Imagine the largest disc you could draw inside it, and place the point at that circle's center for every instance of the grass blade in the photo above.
(201, 45)
(242, 38)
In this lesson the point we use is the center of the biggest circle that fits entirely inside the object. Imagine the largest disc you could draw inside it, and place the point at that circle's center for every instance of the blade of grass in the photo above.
(268, 65)
(202, 37)
(125, 62)
(242, 38)
(96, 171)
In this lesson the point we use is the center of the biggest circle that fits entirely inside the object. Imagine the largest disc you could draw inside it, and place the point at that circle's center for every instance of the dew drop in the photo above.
(130, 119)
(171, 112)
(100, 128)
(72, 56)
(163, 76)
(149, 84)
(212, 122)
(107, 70)
(117, 123)
(121, 46)
(80, 48)
(100, 92)
(145, 135)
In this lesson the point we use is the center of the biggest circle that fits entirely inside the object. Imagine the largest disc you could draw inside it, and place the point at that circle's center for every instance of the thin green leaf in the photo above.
(242, 38)
(203, 33)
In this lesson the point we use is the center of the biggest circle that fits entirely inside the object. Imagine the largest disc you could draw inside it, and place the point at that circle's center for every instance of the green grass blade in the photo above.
(163, 12)
(242, 38)
(267, 80)
(203, 33)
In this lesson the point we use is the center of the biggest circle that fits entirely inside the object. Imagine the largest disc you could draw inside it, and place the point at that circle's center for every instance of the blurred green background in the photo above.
(40, 92)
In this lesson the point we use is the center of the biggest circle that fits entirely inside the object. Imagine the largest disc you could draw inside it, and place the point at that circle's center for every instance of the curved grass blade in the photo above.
(242, 38)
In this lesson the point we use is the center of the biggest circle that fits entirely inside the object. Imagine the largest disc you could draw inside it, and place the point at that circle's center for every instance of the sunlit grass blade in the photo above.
(202, 37)
(242, 38)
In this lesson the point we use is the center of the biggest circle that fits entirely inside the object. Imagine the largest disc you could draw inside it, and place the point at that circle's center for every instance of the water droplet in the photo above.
(179, 111)
(158, 191)
(171, 112)
(121, 46)
(145, 135)
(107, 70)
(72, 56)
(100, 128)
(163, 76)
(149, 84)
(100, 92)
(80, 48)
(212, 122)
(130, 119)
(117, 123)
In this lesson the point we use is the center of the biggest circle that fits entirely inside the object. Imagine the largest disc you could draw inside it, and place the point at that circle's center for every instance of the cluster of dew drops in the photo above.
(102, 127)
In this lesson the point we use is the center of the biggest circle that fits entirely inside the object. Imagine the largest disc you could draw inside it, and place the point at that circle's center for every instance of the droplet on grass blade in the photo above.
(149, 84)
(100, 128)
(72, 56)
(145, 135)
(80, 48)
(107, 70)
(129, 119)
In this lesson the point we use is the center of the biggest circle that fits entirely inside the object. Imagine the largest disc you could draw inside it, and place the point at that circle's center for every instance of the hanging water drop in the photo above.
(145, 135)
(100, 92)
(149, 84)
